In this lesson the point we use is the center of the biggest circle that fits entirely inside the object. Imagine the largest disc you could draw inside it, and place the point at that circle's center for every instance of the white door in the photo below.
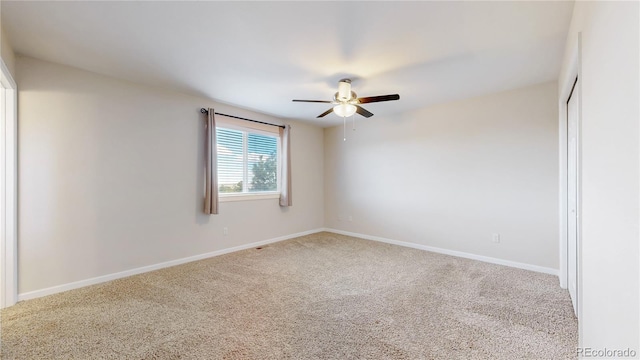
(572, 195)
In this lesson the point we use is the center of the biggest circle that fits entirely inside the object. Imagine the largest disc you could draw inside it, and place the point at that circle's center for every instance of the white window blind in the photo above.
(247, 161)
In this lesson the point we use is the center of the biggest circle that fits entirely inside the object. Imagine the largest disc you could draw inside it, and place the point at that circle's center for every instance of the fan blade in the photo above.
(325, 113)
(360, 110)
(313, 101)
(371, 99)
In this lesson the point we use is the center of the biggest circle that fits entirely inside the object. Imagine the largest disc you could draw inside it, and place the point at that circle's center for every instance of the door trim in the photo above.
(9, 246)
(575, 96)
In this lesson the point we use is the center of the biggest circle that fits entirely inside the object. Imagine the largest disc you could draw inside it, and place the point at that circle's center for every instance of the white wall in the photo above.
(610, 177)
(450, 175)
(111, 178)
(6, 52)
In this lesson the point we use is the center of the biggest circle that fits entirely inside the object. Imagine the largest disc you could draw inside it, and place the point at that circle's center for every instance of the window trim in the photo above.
(230, 197)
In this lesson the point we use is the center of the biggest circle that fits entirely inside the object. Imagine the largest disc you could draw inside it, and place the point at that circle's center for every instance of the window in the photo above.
(248, 161)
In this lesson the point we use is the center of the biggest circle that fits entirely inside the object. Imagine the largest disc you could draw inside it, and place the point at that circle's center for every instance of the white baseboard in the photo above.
(461, 254)
(104, 278)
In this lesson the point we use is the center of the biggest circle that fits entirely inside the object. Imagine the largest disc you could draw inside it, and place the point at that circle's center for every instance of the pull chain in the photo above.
(344, 129)
(354, 122)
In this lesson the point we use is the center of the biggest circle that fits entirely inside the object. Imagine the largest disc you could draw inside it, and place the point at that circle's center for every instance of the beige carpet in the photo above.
(322, 296)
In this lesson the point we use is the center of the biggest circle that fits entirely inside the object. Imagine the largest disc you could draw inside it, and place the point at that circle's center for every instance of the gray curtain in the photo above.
(285, 175)
(211, 166)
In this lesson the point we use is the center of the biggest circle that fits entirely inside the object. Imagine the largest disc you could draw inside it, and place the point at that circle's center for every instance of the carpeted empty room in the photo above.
(321, 296)
(417, 180)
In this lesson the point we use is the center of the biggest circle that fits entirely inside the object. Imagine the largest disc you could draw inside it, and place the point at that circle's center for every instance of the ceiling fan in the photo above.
(348, 103)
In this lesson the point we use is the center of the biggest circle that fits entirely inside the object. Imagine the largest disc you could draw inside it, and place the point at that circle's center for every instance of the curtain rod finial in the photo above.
(204, 111)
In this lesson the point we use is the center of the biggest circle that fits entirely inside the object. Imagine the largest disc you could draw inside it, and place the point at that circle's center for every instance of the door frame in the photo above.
(8, 220)
(573, 71)
(574, 96)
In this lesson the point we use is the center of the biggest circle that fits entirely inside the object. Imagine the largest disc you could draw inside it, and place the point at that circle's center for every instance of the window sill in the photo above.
(247, 196)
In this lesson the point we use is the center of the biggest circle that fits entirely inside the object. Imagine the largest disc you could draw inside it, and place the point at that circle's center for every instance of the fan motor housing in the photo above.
(336, 97)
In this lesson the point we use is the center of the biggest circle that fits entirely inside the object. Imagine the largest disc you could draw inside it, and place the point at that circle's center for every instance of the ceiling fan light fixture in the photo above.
(347, 102)
(344, 110)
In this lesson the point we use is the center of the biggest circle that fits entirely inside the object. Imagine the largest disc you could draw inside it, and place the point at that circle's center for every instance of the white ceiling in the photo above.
(261, 55)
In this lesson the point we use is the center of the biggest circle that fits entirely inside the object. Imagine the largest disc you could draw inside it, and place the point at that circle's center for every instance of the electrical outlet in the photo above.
(495, 238)
(350, 218)
(225, 230)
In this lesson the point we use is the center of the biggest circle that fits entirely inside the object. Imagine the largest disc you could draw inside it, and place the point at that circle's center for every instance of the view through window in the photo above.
(247, 161)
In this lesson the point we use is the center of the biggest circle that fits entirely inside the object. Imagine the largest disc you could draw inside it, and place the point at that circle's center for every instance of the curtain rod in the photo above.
(205, 111)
